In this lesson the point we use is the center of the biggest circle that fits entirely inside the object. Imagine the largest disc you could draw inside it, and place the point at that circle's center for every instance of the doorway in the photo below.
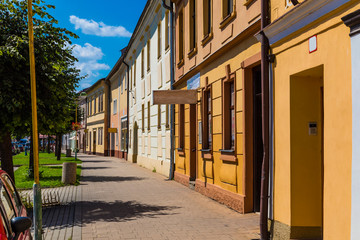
(257, 136)
(306, 155)
(94, 142)
(135, 143)
(112, 150)
(193, 136)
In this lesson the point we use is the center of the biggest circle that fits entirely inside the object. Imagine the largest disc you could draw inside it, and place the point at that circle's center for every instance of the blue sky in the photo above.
(103, 27)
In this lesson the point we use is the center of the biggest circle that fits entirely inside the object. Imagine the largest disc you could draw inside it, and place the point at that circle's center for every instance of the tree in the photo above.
(56, 75)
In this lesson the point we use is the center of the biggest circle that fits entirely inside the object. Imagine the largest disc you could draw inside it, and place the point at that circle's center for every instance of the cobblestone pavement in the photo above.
(61, 220)
(121, 200)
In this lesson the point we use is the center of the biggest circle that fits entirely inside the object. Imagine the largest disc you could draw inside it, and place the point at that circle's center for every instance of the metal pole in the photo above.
(37, 211)
(76, 131)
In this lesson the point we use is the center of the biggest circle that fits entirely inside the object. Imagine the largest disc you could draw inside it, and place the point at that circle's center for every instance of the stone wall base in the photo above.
(230, 199)
(282, 231)
(97, 153)
(182, 178)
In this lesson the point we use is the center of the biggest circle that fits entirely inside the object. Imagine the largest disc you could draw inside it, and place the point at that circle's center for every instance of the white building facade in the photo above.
(148, 57)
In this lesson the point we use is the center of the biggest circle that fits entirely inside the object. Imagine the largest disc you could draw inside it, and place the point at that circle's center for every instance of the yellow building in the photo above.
(97, 118)
(218, 135)
(312, 119)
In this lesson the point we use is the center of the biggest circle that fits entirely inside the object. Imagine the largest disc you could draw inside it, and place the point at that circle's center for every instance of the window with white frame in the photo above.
(115, 106)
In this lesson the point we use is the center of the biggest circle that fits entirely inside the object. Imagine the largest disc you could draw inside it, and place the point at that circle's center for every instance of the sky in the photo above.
(104, 28)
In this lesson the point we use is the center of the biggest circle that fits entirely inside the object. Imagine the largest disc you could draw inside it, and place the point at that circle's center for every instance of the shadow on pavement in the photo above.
(93, 168)
(109, 179)
(120, 211)
(96, 211)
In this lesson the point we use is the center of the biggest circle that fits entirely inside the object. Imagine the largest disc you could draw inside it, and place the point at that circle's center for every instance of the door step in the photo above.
(192, 185)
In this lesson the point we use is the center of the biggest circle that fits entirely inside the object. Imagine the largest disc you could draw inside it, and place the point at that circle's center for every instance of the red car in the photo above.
(14, 222)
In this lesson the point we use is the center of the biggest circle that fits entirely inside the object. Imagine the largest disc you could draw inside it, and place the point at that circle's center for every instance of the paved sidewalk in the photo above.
(121, 200)
(61, 221)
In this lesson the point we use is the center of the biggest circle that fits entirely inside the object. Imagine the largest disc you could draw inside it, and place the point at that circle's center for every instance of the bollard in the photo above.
(68, 152)
(69, 173)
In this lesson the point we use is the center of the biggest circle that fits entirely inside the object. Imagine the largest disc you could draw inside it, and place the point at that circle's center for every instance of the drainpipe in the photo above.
(265, 122)
(119, 119)
(127, 110)
(172, 109)
(108, 83)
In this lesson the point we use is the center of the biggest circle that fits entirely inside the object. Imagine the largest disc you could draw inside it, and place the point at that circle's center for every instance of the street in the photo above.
(120, 200)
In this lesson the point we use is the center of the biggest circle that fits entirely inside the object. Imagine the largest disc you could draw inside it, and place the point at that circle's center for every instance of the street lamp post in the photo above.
(37, 210)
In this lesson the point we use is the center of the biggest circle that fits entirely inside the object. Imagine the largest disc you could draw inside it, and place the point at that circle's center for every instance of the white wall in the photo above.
(355, 196)
(158, 78)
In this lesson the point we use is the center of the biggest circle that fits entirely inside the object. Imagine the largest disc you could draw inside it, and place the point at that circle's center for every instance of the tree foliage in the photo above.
(56, 76)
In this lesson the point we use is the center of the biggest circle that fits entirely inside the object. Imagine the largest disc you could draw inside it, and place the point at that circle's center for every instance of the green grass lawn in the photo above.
(44, 158)
(50, 177)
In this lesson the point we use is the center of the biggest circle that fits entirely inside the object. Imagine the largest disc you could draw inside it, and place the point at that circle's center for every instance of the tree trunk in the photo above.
(31, 158)
(48, 146)
(59, 146)
(6, 155)
(56, 144)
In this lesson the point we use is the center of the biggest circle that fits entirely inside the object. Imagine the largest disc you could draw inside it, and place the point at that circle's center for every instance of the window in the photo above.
(207, 19)
(130, 85)
(143, 118)
(115, 106)
(142, 63)
(13, 192)
(192, 27)
(123, 133)
(232, 115)
(7, 204)
(148, 118)
(167, 30)
(91, 107)
(121, 84)
(148, 55)
(181, 37)
(134, 74)
(167, 117)
(95, 105)
(101, 102)
(229, 110)
(181, 127)
(159, 117)
(125, 80)
(159, 40)
(207, 119)
(228, 6)
(100, 136)
(117, 139)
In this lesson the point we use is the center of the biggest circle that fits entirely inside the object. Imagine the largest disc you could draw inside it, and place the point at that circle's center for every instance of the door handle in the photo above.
(193, 150)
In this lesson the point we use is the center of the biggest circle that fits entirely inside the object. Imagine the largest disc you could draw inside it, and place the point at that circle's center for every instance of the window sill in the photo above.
(228, 155)
(206, 154)
(180, 63)
(192, 52)
(207, 39)
(227, 19)
(248, 2)
(181, 152)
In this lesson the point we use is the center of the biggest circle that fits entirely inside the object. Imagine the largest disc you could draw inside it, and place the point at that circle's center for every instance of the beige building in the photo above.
(97, 118)
(218, 129)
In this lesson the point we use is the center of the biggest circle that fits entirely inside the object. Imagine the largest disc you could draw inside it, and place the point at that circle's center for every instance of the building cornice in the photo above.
(299, 17)
(352, 20)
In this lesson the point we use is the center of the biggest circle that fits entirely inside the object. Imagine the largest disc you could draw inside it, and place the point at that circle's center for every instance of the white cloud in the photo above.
(90, 27)
(89, 63)
(88, 51)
